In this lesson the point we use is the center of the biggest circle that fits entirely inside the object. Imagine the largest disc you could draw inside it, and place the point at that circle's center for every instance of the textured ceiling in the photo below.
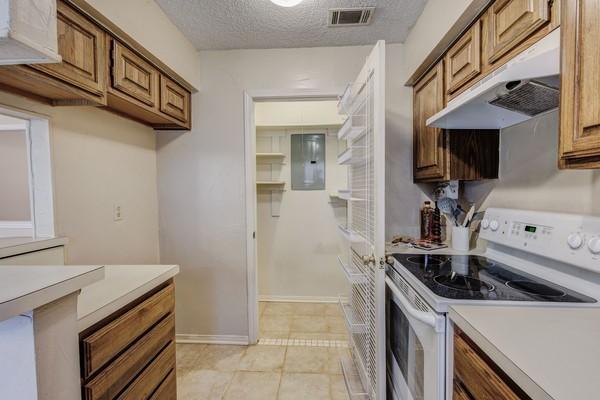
(260, 24)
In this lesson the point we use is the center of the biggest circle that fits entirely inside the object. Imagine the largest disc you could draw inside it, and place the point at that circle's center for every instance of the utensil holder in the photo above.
(461, 237)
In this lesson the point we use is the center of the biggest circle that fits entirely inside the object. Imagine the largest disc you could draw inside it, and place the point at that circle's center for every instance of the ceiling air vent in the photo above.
(350, 16)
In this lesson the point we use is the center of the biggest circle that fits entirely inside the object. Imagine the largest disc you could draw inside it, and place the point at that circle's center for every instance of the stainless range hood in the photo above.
(524, 88)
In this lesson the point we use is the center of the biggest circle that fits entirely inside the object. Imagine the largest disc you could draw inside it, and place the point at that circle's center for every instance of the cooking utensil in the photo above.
(450, 207)
(468, 217)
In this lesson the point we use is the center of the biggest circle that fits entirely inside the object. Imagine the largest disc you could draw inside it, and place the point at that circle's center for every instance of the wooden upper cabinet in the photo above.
(102, 66)
(428, 99)
(133, 76)
(174, 100)
(81, 46)
(510, 22)
(580, 79)
(463, 60)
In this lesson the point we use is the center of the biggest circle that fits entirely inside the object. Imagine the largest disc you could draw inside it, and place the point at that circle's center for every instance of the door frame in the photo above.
(251, 97)
(41, 178)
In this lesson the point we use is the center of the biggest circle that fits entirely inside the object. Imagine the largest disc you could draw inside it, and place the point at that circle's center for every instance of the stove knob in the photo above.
(494, 225)
(594, 245)
(485, 223)
(575, 241)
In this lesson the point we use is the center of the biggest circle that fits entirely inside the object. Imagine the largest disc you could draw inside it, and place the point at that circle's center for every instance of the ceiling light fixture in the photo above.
(286, 3)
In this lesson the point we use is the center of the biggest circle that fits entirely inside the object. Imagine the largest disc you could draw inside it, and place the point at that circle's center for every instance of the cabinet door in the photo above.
(459, 393)
(463, 60)
(174, 100)
(429, 147)
(133, 76)
(580, 100)
(511, 22)
(81, 46)
(477, 378)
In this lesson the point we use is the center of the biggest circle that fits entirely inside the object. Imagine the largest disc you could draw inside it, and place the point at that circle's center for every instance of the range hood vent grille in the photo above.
(350, 16)
(530, 98)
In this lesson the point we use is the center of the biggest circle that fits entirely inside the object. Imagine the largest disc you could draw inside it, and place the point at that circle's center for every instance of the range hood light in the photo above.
(286, 3)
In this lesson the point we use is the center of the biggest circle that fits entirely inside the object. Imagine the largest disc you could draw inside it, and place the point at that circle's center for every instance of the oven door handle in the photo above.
(422, 316)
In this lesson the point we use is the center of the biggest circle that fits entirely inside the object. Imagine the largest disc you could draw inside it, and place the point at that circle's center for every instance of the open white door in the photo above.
(364, 102)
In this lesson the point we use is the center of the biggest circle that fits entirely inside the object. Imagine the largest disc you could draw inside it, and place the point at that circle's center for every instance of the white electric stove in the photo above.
(532, 258)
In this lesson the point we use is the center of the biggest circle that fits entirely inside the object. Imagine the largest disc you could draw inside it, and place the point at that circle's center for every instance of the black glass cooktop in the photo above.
(479, 278)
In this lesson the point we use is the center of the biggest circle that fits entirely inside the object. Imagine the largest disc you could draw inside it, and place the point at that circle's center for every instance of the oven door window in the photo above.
(408, 354)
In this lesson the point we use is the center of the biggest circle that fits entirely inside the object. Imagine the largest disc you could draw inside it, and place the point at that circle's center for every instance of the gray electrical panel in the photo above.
(308, 162)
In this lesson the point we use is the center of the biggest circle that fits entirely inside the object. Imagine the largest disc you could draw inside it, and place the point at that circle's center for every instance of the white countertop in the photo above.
(122, 284)
(20, 245)
(551, 353)
(406, 248)
(24, 288)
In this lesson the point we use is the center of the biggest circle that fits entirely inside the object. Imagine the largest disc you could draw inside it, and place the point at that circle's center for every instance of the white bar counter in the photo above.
(552, 353)
(121, 285)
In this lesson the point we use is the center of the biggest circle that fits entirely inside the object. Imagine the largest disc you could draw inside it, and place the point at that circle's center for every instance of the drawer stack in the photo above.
(131, 354)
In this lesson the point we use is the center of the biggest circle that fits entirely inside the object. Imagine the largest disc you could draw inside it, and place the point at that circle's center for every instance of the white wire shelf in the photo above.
(347, 195)
(345, 102)
(350, 157)
(352, 379)
(349, 235)
(353, 321)
(352, 273)
(350, 132)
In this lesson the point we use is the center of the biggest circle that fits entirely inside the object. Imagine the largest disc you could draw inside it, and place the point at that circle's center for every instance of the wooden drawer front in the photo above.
(167, 389)
(429, 156)
(81, 46)
(104, 344)
(463, 60)
(117, 375)
(174, 100)
(580, 80)
(133, 76)
(511, 22)
(151, 378)
(476, 377)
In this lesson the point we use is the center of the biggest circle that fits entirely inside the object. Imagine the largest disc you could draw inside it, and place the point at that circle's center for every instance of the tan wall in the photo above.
(529, 175)
(201, 177)
(14, 177)
(100, 159)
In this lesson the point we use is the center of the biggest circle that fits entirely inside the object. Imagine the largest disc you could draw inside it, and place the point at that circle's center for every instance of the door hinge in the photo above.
(253, 235)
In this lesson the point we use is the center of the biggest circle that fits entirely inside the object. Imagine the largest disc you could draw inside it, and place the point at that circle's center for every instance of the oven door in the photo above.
(415, 345)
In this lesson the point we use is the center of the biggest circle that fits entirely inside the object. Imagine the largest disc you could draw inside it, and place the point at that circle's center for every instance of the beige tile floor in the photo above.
(266, 372)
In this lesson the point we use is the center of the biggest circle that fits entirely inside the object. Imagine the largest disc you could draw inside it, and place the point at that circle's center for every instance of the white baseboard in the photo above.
(211, 339)
(16, 229)
(300, 299)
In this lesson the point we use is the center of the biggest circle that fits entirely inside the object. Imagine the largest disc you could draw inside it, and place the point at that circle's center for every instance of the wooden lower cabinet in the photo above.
(131, 354)
(477, 377)
(579, 140)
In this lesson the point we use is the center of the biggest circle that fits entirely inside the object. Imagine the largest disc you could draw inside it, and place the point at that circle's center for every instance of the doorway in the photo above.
(294, 213)
(26, 199)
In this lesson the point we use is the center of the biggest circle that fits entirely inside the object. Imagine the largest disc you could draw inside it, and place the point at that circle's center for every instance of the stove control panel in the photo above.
(570, 238)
